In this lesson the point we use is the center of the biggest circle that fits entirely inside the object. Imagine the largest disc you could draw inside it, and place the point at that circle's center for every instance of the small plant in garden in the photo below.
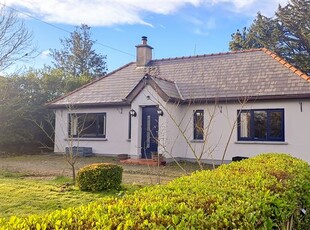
(99, 177)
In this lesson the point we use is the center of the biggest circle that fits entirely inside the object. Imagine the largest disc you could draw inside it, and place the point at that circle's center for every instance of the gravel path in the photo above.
(52, 165)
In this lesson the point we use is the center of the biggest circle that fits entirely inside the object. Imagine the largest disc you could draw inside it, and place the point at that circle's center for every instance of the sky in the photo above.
(174, 28)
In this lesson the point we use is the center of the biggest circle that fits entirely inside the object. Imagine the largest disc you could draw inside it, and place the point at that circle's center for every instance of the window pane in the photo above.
(276, 124)
(198, 124)
(245, 122)
(260, 124)
(88, 125)
(101, 124)
(73, 122)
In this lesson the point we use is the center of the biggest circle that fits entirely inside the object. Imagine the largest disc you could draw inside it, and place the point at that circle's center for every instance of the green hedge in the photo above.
(99, 177)
(258, 193)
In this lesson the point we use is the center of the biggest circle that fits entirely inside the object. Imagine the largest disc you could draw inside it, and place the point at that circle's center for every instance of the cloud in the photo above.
(45, 54)
(120, 12)
(250, 7)
(200, 32)
(202, 26)
(98, 12)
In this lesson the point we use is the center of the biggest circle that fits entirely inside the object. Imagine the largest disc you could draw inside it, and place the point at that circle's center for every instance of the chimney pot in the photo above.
(144, 40)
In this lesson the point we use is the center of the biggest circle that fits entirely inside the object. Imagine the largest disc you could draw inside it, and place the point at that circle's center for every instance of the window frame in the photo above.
(98, 134)
(268, 138)
(197, 135)
(129, 125)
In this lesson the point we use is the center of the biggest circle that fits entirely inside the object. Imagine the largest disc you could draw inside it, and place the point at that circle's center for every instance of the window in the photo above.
(261, 125)
(87, 125)
(129, 126)
(198, 125)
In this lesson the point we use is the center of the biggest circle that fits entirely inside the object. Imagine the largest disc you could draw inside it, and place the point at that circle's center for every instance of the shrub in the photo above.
(258, 193)
(99, 177)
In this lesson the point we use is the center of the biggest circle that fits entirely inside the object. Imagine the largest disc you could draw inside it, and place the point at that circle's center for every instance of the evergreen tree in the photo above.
(295, 18)
(22, 106)
(287, 34)
(77, 57)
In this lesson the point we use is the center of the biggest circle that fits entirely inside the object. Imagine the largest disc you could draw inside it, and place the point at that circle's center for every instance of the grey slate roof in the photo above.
(258, 74)
(170, 88)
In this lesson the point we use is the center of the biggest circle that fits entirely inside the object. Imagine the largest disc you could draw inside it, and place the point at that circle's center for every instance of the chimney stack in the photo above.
(144, 53)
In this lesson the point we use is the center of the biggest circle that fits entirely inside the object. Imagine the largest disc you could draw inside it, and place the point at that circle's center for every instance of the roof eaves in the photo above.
(87, 105)
(248, 98)
(136, 90)
(286, 64)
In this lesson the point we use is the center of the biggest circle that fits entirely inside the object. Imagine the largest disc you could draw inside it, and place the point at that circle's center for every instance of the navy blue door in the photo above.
(149, 131)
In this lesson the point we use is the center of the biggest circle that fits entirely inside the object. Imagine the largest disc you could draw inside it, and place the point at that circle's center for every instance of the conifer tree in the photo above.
(287, 34)
(78, 57)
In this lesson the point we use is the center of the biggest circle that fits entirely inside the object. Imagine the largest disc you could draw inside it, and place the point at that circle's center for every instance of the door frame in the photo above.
(146, 154)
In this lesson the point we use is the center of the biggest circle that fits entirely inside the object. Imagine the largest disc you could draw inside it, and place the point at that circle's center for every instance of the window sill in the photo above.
(128, 140)
(262, 142)
(86, 139)
(197, 141)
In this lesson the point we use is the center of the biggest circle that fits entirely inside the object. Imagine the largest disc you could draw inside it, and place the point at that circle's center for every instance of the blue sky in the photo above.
(174, 27)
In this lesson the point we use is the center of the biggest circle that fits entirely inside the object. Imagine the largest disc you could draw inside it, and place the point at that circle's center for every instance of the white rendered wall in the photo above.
(175, 144)
(116, 140)
(297, 131)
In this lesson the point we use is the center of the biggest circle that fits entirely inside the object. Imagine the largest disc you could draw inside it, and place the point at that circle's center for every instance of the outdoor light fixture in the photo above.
(133, 113)
(160, 112)
(220, 108)
(198, 113)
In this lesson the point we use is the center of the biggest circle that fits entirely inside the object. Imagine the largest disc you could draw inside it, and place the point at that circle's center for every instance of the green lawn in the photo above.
(35, 190)
(20, 196)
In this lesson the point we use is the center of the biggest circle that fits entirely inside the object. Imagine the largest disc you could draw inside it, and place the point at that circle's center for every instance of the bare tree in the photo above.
(183, 123)
(72, 139)
(15, 39)
(212, 110)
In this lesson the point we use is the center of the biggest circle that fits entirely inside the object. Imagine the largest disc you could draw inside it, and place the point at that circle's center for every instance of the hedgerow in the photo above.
(99, 177)
(258, 193)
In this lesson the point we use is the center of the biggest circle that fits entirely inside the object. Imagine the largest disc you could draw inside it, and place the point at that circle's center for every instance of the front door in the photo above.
(149, 131)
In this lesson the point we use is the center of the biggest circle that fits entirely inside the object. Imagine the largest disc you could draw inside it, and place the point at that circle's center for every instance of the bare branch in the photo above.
(15, 39)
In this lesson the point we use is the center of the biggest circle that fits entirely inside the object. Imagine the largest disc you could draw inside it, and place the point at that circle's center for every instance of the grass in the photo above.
(36, 184)
(21, 196)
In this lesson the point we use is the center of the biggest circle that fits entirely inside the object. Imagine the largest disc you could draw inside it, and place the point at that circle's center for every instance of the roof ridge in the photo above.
(179, 91)
(86, 85)
(210, 55)
(163, 79)
(286, 64)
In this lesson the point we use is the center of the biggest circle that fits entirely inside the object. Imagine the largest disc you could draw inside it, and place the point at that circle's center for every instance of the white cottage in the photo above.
(212, 107)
